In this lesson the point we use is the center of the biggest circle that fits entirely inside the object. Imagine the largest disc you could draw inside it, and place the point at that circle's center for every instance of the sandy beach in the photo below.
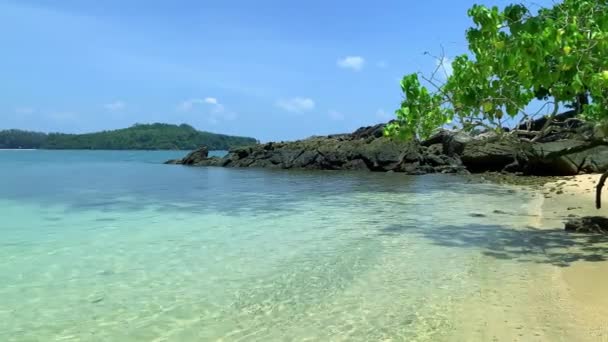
(564, 274)
(582, 284)
(575, 195)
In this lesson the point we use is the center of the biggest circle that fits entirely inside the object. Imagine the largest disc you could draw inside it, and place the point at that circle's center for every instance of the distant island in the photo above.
(156, 136)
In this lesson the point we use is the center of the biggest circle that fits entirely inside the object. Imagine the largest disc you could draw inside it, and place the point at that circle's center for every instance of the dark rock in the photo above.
(192, 158)
(568, 157)
(568, 149)
(455, 143)
(492, 154)
(538, 124)
(376, 131)
(97, 300)
(356, 164)
(588, 224)
(477, 215)
(500, 212)
(452, 142)
(435, 149)
(366, 149)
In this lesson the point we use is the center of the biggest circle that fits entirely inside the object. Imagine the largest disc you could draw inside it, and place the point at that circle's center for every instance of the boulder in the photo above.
(593, 160)
(492, 154)
(568, 157)
(452, 142)
(196, 156)
(192, 158)
(376, 131)
(538, 124)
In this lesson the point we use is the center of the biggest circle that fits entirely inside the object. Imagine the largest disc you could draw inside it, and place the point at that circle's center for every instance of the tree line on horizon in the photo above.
(157, 136)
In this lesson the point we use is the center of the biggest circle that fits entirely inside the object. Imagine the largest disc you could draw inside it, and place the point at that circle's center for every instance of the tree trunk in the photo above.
(581, 101)
(598, 190)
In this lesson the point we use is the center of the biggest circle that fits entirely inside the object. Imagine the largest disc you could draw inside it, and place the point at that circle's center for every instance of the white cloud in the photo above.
(335, 115)
(382, 64)
(445, 67)
(216, 111)
(382, 115)
(115, 106)
(296, 104)
(24, 110)
(211, 100)
(355, 63)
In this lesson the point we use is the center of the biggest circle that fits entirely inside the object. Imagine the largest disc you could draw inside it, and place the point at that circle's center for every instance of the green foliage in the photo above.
(138, 137)
(422, 110)
(558, 55)
(14, 138)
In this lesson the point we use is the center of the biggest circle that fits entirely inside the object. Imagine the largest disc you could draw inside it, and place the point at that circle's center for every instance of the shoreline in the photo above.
(576, 193)
(581, 286)
(564, 275)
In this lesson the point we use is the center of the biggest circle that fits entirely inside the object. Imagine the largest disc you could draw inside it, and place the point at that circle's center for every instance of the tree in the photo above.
(558, 55)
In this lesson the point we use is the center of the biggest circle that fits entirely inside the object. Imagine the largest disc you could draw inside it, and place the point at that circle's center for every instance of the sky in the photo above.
(270, 69)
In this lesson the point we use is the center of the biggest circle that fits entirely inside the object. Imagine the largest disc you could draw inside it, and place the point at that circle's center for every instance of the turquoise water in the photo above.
(115, 246)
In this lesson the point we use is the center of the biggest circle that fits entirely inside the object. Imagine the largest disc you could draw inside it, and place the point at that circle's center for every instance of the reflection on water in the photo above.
(111, 246)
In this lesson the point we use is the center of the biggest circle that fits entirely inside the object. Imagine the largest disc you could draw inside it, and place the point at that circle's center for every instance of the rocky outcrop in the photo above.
(568, 149)
(364, 150)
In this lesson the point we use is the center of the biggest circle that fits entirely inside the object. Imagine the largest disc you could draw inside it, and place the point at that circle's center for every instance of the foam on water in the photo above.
(118, 249)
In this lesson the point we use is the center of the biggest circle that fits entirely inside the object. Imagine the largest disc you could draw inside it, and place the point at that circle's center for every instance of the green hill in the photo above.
(155, 136)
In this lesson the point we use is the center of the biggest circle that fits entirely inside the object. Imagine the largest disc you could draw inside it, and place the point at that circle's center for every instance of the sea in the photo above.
(117, 246)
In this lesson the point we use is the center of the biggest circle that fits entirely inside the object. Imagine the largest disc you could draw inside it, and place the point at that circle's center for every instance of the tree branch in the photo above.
(598, 190)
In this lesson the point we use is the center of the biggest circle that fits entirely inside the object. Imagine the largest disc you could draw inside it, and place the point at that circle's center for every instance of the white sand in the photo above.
(584, 284)
(562, 302)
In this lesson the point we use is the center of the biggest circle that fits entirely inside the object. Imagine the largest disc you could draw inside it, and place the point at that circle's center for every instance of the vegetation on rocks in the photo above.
(156, 136)
(557, 55)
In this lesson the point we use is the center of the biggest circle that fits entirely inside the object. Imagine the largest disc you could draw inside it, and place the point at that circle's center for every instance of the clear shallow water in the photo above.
(115, 246)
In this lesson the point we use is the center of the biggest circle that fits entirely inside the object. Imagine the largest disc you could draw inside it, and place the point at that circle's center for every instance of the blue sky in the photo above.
(272, 69)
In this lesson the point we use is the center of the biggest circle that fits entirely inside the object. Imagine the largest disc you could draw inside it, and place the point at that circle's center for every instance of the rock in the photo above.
(97, 300)
(593, 160)
(538, 124)
(588, 224)
(452, 142)
(364, 150)
(493, 154)
(568, 157)
(357, 164)
(568, 149)
(477, 215)
(192, 158)
(500, 212)
(436, 149)
(376, 131)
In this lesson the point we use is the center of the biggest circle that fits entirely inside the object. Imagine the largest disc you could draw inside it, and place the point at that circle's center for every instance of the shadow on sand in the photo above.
(553, 246)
